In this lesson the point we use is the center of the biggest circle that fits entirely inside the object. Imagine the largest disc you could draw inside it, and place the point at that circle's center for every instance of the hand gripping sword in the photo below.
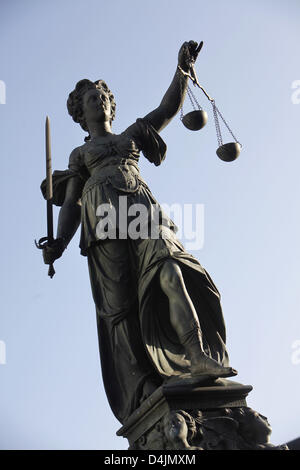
(46, 241)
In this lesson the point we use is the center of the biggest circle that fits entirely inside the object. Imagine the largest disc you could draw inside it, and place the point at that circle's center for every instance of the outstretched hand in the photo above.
(188, 54)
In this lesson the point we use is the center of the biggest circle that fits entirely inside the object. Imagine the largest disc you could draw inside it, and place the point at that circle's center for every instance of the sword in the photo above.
(46, 241)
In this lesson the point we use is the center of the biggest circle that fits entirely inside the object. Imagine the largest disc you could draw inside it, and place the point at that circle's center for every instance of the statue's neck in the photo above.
(97, 129)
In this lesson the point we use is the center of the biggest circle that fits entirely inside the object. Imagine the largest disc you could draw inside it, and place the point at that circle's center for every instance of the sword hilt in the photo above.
(41, 244)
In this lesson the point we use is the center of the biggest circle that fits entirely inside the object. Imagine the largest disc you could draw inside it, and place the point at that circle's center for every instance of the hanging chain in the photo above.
(217, 124)
(232, 134)
(194, 102)
(181, 113)
(181, 92)
(216, 111)
(189, 93)
(193, 99)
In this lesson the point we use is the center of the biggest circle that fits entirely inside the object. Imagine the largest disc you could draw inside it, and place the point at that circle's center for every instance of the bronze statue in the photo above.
(158, 311)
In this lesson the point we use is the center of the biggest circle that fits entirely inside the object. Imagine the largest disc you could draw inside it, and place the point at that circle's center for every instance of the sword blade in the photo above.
(49, 187)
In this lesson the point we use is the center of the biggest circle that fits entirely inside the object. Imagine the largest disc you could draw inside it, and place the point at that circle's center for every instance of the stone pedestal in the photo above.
(188, 414)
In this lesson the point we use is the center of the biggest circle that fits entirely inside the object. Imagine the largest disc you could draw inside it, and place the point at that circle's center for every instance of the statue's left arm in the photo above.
(174, 96)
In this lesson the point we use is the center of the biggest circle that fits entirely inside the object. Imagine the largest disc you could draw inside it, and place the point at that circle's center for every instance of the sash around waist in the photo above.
(122, 174)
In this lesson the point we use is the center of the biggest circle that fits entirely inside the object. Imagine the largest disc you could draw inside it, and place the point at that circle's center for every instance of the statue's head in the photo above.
(253, 426)
(180, 425)
(91, 101)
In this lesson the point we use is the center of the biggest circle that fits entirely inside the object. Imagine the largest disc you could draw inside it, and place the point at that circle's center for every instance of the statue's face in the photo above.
(177, 426)
(261, 427)
(96, 105)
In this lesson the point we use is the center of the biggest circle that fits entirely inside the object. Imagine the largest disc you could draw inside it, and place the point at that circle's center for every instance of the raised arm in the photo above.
(174, 96)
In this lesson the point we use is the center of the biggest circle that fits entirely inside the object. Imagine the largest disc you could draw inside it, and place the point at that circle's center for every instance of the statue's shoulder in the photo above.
(148, 140)
(136, 131)
(78, 150)
(76, 156)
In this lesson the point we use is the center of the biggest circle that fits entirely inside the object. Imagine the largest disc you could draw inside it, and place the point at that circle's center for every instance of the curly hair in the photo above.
(75, 101)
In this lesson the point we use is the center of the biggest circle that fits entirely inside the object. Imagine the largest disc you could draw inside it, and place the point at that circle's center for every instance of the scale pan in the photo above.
(195, 120)
(229, 152)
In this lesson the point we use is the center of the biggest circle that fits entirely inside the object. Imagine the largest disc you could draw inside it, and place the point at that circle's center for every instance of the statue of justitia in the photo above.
(158, 311)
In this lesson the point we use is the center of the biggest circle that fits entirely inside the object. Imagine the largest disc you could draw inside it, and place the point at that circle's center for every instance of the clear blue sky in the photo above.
(51, 392)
